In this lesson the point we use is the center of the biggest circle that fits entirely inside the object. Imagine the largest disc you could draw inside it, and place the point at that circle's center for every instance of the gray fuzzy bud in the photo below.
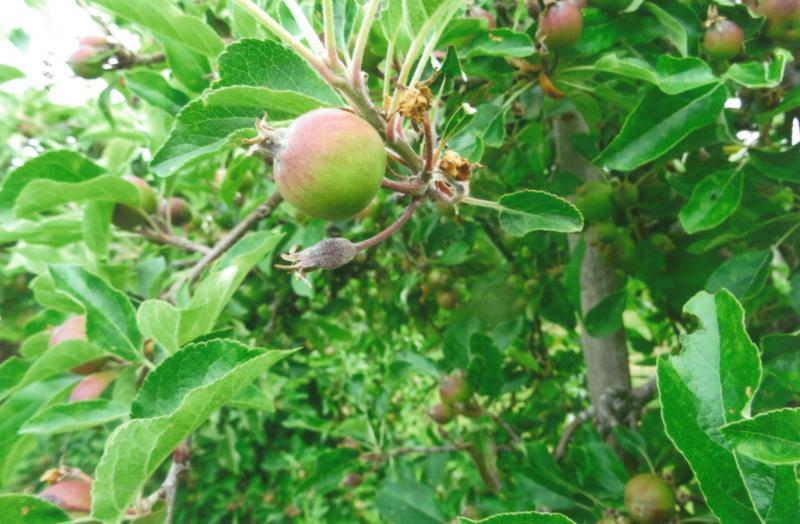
(326, 254)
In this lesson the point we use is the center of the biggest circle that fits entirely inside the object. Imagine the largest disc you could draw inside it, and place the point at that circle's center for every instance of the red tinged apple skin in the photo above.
(85, 62)
(176, 210)
(130, 218)
(330, 164)
(783, 20)
(561, 25)
(94, 41)
(70, 495)
(454, 388)
(92, 386)
(724, 40)
(74, 328)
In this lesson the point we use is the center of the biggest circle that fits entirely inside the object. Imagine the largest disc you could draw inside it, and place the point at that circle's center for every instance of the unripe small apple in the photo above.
(92, 386)
(87, 62)
(447, 299)
(626, 195)
(70, 495)
(479, 12)
(99, 41)
(175, 210)
(74, 328)
(454, 388)
(329, 164)
(783, 21)
(352, 480)
(724, 40)
(649, 499)
(614, 6)
(437, 277)
(595, 201)
(130, 218)
(561, 25)
(442, 413)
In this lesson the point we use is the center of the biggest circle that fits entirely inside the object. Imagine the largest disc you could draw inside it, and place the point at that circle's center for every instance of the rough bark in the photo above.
(606, 357)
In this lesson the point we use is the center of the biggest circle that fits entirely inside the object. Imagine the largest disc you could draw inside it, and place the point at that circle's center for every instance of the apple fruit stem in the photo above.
(408, 188)
(386, 233)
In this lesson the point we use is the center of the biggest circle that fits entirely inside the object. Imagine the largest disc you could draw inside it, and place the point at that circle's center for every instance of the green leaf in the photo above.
(41, 195)
(485, 371)
(110, 317)
(215, 122)
(218, 287)
(167, 22)
(605, 317)
(17, 409)
(706, 386)
(408, 502)
(97, 226)
(500, 42)
(75, 416)
(173, 402)
(660, 122)
(530, 517)
(759, 75)
(458, 121)
(30, 509)
(743, 275)
(155, 90)
(59, 166)
(772, 437)
(780, 165)
(266, 63)
(52, 231)
(676, 33)
(672, 75)
(715, 198)
(159, 320)
(531, 210)
(54, 361)
(8, 73)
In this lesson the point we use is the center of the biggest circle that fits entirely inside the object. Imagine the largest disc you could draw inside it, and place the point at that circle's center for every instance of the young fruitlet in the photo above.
(447, 299)
(626, 195)
(92, 386)
(783, 21)
(595, 201)
(74, 328)
(561, 25)
(352, 480)
(454, 388)
(649, 499)
(70, 495)
(89, 59)
(614, 6)
(442, 413)
(176, 211)
(329, 164)
(723, 40)
(129, 218)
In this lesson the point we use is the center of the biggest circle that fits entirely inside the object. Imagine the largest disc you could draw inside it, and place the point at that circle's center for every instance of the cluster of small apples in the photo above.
(438, 281)
(174, 210)
(599, 203)
(455, 397)
(96, 376)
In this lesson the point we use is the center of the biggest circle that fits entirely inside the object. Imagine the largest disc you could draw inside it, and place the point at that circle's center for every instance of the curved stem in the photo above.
(330, 35)
(305, 26)
(361, 44)
(409, 188)
(287, 38)
(386, 233)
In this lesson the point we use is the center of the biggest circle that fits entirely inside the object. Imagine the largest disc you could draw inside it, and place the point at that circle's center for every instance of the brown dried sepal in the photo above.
(455, 166)
(415, 102)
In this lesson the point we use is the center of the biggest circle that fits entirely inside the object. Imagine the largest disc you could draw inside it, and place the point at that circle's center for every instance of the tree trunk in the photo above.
(606, 357)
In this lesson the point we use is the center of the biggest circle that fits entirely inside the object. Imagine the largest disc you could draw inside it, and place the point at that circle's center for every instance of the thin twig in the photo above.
(408, 188)
(163, 237)
(515, 439)
(569, 431)
(169, 488)
(228, 241)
